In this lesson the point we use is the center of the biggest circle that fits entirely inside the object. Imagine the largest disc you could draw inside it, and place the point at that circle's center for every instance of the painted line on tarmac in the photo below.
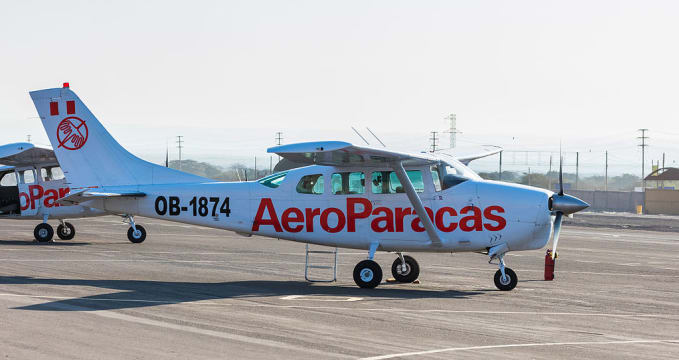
(505, 346)
(187, 328)
(305, 307)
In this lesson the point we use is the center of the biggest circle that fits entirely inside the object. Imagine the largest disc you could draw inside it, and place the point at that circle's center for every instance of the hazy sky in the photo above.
(228, 74)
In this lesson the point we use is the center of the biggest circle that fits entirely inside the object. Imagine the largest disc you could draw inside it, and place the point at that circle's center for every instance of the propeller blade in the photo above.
(560, 173)
(557, 230)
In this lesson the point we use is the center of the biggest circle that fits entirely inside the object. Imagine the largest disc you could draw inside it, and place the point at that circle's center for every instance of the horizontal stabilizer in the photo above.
(87, 195)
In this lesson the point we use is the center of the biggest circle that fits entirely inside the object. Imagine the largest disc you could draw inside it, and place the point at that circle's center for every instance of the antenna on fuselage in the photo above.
(359, 135)
(375, 136)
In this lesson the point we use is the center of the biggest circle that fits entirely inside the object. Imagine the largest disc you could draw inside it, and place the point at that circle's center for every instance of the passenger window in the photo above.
(27, 177)
(273, 180)
(8, 179)
(386, 182)
(345, 183)
(435, 177)
(310, 184)
(51, 173)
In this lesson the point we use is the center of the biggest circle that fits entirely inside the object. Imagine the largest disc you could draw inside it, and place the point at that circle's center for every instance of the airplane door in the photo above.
(29, 192)
(9, 194)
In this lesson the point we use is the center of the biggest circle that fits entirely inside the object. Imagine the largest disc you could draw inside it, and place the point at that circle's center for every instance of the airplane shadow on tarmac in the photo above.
(35, 243)
(144, 293)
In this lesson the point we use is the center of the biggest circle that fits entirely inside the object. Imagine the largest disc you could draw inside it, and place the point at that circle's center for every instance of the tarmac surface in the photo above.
(198, 293)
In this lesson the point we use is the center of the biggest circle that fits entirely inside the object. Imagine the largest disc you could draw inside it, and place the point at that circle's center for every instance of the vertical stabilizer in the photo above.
(88, 154)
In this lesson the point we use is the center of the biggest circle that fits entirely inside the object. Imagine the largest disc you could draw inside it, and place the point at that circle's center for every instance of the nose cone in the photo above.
(566, 204)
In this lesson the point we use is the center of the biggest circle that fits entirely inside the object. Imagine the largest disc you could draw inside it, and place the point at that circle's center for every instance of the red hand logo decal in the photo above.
(72, 133)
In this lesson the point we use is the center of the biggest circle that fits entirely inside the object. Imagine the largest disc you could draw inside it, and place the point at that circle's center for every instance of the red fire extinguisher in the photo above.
(549, 265)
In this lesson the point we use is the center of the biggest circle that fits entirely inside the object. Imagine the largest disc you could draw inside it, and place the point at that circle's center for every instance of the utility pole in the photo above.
(278, 142)
(499, 175)
(577, 169)
(606, 173)
(179, 146)
(28, 138)
(549, 174)
(433, 139)
(643, 145)
(255, 167)
(529, 184)
(453, 130)
(663, 160)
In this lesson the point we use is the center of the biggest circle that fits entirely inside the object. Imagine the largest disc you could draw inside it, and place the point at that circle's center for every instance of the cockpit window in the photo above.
(386, 182)
(51, 173)
(311, 184)
(8, 179)
(273, 180)
(453, 172)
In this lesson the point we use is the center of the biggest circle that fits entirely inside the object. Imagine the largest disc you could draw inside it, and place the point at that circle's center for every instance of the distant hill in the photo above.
(236, 172)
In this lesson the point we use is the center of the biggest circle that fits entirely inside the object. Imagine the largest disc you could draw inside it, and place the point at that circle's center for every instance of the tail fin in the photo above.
(88, 154)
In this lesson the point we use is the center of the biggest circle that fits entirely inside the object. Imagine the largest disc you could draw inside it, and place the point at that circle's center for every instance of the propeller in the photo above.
(561, 204)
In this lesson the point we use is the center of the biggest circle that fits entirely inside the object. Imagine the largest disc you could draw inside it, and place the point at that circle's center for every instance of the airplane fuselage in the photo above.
(471, 216)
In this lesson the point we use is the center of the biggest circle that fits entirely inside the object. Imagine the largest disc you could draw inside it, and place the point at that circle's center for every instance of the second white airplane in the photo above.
(348, 196)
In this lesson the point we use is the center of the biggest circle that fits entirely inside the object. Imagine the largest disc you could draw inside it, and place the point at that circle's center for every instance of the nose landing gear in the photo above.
(505, 278)
(66, 231)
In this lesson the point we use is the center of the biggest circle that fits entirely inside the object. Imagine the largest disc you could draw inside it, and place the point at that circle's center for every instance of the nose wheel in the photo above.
(136, 233)
(505, 278)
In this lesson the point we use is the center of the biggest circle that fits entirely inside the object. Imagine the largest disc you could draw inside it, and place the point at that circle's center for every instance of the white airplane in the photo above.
(31, 183)
(349, 197)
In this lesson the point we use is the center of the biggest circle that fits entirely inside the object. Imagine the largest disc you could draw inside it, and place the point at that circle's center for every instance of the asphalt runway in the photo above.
(197, 293)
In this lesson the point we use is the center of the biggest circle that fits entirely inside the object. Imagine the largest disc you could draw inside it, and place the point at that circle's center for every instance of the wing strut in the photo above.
(417, 203)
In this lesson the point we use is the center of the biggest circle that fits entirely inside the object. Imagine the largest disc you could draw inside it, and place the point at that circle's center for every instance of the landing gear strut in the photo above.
(405, 269)
(505, 278)
(136, 233)
(65, 230)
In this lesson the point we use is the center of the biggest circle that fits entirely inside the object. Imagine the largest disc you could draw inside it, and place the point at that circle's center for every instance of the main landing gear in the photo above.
(368, 273)
(44, 232)
(136, 233)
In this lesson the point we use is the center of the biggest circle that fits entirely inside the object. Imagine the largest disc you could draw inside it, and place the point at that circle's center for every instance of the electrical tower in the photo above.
(179, 146)
(452, 131)
(278, 142)
(643, 146)
(433, 139)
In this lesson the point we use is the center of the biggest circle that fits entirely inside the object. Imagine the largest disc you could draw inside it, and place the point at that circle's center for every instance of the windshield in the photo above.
(455, 167)
(273, 180)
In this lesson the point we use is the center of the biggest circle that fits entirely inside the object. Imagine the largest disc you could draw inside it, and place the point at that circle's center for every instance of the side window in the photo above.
(8, 179)
(435, 176)
(51, 173)
(27, 176)
(310, 184)
(386, 182)
(348, 183)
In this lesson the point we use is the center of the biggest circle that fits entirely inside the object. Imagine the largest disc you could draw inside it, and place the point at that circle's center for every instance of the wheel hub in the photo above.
(403, 269)
(42, 233)
(136, 234)
(505, 279)
(367, 275)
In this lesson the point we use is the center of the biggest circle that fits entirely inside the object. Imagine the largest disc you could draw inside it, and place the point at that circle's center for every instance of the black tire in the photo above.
(367, 274)
(507, 284)
(412, 270)
(43, 232)
(66, 232)
(138, 237)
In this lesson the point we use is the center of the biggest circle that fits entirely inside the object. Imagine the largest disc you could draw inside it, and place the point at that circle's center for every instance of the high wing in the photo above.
(87, 195)
(24, 154)
(339, 153)
(466, 158)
